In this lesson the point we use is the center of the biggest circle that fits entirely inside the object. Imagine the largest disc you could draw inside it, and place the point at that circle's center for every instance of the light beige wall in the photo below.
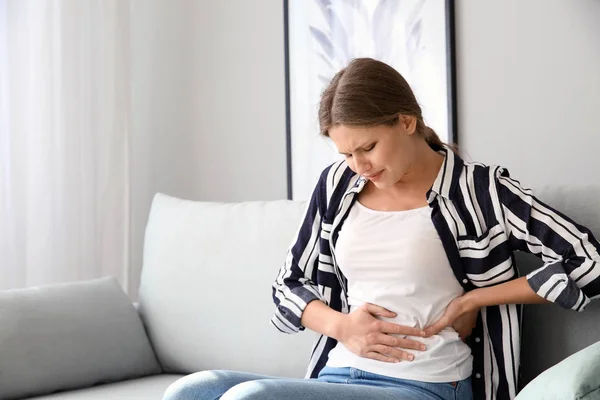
(529, 87)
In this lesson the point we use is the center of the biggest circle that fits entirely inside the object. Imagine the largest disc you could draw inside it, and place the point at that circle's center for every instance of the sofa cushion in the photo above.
(70, 336)
(148, 388)
(575, 378)
(205, 293)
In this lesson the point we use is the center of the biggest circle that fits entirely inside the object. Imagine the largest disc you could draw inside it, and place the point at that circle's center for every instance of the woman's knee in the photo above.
(205, 385)
(265, 389)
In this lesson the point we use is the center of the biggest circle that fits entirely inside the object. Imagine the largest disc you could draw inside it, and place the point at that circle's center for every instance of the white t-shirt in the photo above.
(395, 259)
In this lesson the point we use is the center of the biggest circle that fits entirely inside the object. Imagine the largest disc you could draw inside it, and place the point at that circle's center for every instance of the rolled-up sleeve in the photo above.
(570, 276)
(295, 285)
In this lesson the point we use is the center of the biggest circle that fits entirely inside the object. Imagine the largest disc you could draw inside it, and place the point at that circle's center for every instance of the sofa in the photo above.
(205, 303)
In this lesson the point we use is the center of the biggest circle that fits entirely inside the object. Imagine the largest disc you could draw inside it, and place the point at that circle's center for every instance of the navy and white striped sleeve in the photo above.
(570, 276)
(295, 285)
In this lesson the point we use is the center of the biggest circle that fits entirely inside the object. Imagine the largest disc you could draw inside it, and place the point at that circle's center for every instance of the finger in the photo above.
(401, 343)
(392, 352)
(436, 328)
(380, 357)
(390, 327)
(378, 310)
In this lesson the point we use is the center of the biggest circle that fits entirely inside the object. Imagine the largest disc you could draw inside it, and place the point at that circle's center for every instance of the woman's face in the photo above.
(383, 154)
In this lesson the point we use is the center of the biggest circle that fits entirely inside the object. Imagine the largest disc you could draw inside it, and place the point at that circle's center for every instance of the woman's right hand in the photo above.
(366, 336)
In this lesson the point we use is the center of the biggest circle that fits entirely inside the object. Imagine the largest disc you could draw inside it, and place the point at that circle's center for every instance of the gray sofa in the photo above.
(205, 300)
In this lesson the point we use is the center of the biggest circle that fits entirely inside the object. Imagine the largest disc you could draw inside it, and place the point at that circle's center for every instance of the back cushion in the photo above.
(69, 336)
(205, 293)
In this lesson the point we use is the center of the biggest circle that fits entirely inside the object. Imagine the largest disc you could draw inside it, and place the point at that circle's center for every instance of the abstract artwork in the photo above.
(322, 36)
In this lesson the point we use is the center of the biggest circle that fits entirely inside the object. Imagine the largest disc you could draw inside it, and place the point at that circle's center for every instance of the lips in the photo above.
(373, 176)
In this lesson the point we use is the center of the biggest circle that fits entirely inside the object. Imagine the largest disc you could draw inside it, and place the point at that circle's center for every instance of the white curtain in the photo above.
(65, 99)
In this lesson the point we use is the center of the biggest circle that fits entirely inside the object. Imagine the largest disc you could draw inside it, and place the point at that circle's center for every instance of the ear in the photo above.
(409, 123)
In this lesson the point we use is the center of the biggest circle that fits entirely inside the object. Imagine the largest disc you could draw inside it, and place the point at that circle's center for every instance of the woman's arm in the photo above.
(295, 286)
(516, 291)
(570, 276)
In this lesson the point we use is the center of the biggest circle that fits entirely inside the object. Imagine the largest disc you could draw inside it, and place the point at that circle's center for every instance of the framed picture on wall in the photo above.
(416, 37)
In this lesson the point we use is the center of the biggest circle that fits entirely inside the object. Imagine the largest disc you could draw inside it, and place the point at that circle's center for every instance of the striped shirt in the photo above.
(482, 216)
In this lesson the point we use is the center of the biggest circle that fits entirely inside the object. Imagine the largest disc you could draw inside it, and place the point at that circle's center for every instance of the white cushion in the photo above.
(205, 293)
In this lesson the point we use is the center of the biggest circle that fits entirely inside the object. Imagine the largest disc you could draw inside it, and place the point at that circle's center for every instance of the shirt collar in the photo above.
(445, 183)
(357, 183)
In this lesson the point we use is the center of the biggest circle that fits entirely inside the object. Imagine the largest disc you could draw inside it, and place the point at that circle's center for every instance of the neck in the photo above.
(421, 175)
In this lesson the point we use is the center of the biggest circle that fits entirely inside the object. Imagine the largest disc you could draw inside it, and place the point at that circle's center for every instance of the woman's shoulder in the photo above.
(477, 171)
(335, 180)
(336, 174)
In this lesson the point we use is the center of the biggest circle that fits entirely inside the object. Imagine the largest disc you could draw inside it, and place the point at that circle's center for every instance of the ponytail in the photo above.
(432, 138)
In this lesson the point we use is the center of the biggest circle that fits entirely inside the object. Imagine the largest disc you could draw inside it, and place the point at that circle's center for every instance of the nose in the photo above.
(361, 164)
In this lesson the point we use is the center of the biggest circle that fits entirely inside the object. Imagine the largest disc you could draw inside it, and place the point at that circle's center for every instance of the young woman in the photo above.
(404, 263)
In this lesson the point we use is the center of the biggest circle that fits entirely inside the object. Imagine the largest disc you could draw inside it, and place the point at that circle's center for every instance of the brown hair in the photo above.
(368, 93)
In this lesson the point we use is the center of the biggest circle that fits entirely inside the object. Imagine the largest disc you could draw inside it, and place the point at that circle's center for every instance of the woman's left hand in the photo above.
(459, 316)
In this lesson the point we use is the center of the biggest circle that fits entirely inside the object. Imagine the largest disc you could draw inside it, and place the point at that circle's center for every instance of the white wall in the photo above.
(529, 87)
(240, 107)
(208, 105)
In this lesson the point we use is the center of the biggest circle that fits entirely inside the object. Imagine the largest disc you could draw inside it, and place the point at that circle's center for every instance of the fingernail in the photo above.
(423, 347)
(423, 333)
(411, 357)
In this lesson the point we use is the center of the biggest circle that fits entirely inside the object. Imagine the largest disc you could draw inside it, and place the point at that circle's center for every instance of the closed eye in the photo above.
(365, 149)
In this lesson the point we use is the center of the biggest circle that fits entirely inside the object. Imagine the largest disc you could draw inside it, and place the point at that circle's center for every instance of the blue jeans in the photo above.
(332, 384)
